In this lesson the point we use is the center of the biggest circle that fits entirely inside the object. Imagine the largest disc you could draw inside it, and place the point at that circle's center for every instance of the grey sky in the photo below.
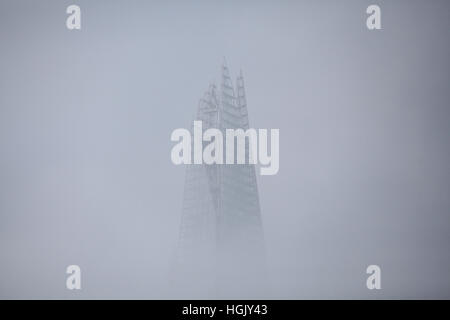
(86, 118)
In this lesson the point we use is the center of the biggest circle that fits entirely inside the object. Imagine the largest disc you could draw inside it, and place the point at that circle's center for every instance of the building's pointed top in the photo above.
(224, 62)
(225, 72)
(226, 80)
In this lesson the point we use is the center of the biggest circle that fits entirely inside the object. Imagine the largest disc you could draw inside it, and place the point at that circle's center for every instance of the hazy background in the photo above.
(86, 118)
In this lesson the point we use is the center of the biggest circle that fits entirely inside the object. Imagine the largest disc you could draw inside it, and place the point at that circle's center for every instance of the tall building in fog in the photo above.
(221, 234)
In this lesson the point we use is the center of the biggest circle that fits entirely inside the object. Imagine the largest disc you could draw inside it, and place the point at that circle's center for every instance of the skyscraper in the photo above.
(221, 234)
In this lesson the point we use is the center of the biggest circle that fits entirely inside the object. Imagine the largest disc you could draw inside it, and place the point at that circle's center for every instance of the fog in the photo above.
(86, 116)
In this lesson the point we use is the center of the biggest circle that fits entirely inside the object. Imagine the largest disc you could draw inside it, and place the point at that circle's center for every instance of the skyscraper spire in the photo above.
(242, 100)
(221, 226)
(228, 96)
